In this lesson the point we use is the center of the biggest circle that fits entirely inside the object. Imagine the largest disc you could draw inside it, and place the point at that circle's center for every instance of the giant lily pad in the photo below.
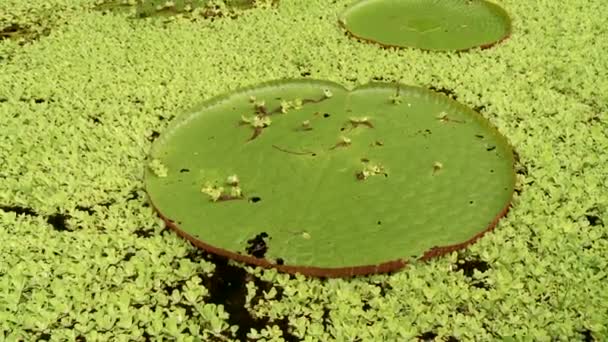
(308, 176)
(439, 25)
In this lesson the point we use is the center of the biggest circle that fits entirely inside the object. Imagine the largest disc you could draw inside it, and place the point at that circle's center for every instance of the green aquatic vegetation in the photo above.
(165, 8)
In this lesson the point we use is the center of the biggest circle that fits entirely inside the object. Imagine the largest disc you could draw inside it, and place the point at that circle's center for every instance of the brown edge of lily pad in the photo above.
(482, 46)
(337, 272)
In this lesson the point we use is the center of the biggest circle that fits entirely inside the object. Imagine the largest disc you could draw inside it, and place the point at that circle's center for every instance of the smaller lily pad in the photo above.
(439, 25)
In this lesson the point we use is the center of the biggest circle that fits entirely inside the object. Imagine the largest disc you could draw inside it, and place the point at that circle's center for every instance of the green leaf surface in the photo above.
(439, 25)
(335, 181)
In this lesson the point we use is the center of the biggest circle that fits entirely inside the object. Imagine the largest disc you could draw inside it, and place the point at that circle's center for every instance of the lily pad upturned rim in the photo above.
(509, 29)
(323, 272)
(337, 272)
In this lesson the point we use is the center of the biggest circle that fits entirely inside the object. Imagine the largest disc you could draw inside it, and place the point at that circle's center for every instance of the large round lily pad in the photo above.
(439, 25)
(308, 176)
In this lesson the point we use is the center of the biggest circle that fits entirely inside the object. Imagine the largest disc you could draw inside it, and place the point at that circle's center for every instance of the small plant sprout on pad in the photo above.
(306, 125)
(370, 170)
(260, 107)
(235, 189)
(437, 166)
(443, 117)
(235, 192)
(218, 193)
(302, 233)
(364, 120)
(213, 191)
(285, 106)
(395, 99)
(257, 121)
(297, 104)
(327, 93)
(158, 168)
(343, 142)
(232, 180)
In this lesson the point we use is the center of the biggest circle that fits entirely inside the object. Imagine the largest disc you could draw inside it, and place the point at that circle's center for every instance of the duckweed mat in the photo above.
(84, 256)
